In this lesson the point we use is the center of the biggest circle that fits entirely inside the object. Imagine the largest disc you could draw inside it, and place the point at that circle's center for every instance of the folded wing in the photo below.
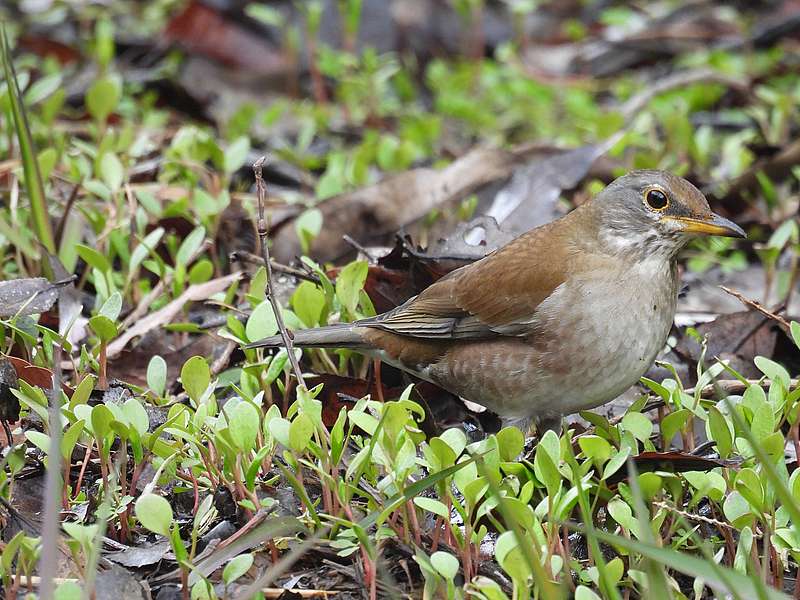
(497, 295)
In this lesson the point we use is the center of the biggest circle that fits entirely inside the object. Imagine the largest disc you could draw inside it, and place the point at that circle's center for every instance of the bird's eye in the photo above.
(656, 199)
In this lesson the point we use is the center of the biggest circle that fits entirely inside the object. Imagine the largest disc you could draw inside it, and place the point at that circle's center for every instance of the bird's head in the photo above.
(650, 213)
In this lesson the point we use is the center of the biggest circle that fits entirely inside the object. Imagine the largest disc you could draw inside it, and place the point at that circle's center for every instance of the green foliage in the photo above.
(195, 377)
(32, 172)
(103, 96)
(155, 513)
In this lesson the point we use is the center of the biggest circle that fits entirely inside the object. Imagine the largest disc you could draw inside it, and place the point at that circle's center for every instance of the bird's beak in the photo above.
(712, 224)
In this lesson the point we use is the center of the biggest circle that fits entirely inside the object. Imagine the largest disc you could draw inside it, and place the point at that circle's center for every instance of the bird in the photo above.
(563, 318)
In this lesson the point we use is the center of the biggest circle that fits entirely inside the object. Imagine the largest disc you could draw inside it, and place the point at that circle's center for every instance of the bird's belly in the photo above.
(611, 356)
(577, 357)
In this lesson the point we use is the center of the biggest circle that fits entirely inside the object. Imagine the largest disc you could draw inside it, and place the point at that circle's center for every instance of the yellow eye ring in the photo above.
(656, 199)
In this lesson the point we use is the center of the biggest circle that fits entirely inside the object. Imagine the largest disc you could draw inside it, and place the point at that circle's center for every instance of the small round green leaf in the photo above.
(243, 422)
(236, 154)
(201, 271)
(638, 424)
(155, 513)
(584, 593)
(112, 307)
(308, 225)
(300, 432)
(446, 564)
(111, 171)
(237, 567)
(432, 505)
(103, 327)
(190, 245)
(195, 377)
(308, 302)
(157, 375)
(136, 415)
(68, 590)
(595, 447)
(103, 96)
(262, 322)
(102, 417)
(349, 282)
(510, 443)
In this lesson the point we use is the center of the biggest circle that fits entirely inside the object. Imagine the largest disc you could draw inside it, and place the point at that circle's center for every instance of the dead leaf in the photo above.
(48, 47)
(31, 374)
(530, 197)
(385, 207)
(117, 583)
(69, 303)
(203, 30)
(22, 297)
(9, 403)
(140, 556)
(470, 241)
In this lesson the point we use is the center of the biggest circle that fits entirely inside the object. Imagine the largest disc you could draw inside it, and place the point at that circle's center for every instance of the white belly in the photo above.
(611, 335)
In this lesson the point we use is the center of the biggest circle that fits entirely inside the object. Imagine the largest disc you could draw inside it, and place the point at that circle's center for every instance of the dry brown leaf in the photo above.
(23, 297)
(387, 206)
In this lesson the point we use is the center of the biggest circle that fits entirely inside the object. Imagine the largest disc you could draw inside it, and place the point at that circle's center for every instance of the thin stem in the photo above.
(53, 485)
(270, 292)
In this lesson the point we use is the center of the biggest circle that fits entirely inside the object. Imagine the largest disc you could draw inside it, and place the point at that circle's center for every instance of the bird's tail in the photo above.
(341, 335)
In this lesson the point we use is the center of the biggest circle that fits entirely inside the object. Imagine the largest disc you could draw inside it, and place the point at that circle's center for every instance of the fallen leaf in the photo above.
(117, 583)
(140, 556)
(529, 198)
(22, 297)
(203, 30)
(385, 207)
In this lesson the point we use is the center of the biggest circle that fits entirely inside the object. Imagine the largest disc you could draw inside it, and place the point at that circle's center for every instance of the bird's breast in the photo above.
(598, 333)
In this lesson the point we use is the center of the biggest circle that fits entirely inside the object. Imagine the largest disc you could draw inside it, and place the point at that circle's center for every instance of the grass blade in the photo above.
(549, 590)
(717, 577)
(30, 164)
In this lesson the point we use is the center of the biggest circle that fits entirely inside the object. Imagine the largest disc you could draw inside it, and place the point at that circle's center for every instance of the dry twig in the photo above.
(755, 305)
(679, 80)
(221, 362)
(240, 255)
(270, 292)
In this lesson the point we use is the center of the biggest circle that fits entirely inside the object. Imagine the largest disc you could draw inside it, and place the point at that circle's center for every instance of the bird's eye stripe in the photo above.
(656, 199)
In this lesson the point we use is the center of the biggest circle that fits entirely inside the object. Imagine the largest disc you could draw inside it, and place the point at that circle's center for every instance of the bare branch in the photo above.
(53, 485)
(755, 305)
(270, 291)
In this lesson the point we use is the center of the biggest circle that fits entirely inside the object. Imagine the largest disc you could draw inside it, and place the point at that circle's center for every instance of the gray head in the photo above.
(655, 213)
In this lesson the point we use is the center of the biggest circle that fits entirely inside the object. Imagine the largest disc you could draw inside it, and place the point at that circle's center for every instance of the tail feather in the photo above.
(342, 335)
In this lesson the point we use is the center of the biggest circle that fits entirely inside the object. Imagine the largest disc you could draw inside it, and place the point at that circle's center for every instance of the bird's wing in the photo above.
(497, 295)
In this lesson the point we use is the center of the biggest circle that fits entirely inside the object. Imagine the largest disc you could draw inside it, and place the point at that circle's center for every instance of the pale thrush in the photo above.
(564, 318)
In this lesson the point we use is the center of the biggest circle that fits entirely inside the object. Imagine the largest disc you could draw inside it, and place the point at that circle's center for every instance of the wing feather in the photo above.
(497, 295)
